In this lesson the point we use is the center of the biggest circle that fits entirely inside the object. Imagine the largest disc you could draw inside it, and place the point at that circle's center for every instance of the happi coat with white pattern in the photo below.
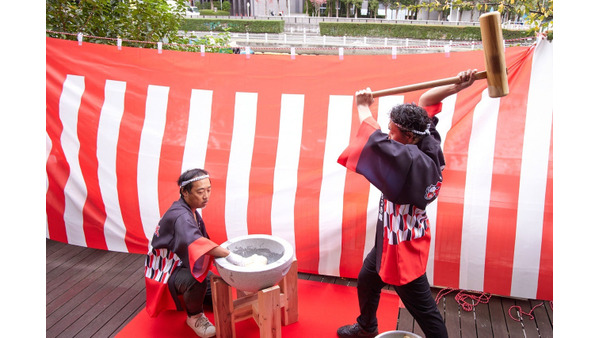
(180, 239)
(409, 178)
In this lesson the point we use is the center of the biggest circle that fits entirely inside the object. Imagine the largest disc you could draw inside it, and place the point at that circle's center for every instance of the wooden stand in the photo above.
(265, 306)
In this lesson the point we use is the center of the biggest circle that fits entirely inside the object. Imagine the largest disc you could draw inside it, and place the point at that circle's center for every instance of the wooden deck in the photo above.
(95, 293)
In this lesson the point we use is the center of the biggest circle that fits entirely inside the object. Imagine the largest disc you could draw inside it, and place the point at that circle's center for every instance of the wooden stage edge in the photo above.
(95, 293)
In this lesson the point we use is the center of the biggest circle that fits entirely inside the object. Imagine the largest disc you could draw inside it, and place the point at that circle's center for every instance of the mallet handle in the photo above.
(423, 85)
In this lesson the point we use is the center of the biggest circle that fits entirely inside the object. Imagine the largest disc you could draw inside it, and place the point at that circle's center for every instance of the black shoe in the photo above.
(355, 330)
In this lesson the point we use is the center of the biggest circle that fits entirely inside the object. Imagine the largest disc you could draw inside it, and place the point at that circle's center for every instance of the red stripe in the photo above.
(93, 213)
(126, 165)
(504, 196)
(356, 198)
(217, 157)
(450, 201)
(310, 175)
(260, 190)
(545, 281)
(448, 237)
(171, 152)
(57, 167)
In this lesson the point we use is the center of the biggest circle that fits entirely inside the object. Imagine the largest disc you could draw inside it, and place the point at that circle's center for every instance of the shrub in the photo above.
(226, 6)
(434, 32)
(233, 25)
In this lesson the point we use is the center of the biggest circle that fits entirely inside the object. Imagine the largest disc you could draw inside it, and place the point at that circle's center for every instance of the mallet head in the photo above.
(493, 50)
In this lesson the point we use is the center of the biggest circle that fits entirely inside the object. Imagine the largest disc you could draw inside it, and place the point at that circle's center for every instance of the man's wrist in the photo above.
(364, 112)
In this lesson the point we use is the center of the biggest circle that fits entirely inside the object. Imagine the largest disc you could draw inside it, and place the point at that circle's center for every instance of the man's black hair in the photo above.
(188, 175)
(410, 117)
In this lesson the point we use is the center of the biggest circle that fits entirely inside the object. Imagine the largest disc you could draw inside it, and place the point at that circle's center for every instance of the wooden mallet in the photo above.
(495, 64)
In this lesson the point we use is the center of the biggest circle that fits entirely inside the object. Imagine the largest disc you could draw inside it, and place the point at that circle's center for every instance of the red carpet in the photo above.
(322, 308)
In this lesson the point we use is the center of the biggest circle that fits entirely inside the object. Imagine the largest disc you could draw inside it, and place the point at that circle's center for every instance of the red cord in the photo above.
(528, 314)
(463, 296)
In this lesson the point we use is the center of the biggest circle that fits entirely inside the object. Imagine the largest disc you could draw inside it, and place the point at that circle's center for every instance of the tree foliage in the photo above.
(153, 20)
(538, 13)
(137, 22)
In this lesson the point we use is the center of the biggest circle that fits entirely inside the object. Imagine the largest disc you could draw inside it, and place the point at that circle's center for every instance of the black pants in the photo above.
(195, 294)
(415, 295)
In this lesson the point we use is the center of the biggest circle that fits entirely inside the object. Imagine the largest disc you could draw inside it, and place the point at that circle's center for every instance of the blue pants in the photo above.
(415, 295)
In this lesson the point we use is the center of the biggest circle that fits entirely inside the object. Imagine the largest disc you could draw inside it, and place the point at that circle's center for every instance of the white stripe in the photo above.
(331, 199)
(285, 176)
(75, 190)
(196, 142)
(108, 137)
(238, 168)
(478, 185)
(445, 117)
(534, 172)
(385, 105)
(443, 126)
(149, 156)
(48, 150)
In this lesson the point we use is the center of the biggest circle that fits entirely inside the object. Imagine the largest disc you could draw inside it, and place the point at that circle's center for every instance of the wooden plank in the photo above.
(289, 290)
(499, 328)
(323, 279)
(543, 319)
(223, 307)
(62, 255)
(528, 323)
(452, 315)
(78, 278)
(103, 297)
(71, 279)
(345, 281)
(483, 320)
(122, 317)
(440, 305)
(468, 328)
(268, 312)
(406, 321)
(64, 316)
(75, 275)
(303, 275)
(515, 328)
(110, 312)
(67, 304)
(52, 246)
(550, 310)
(58, 270)
(68, 275)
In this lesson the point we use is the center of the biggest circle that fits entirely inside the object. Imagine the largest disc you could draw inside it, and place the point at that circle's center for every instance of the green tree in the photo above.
(386, 4)
(357, 5)
(137, 23)
(538, 13)
(373, 7)
(152, 20)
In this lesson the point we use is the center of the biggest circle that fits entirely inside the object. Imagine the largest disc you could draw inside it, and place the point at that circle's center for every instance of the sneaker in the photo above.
(355, 330)
(201, 325)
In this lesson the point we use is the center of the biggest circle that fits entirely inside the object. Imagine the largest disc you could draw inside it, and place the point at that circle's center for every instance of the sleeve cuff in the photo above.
(433, 109)
(350, 156)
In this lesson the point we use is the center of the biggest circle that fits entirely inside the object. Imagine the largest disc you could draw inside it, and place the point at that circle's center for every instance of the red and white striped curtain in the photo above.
(123, 124)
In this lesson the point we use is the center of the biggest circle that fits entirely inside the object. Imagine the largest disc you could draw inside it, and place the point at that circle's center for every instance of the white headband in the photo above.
(198, 178)
(422, 133)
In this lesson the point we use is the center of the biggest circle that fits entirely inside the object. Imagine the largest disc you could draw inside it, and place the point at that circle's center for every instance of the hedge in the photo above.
(234, 25)
(433, 32)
